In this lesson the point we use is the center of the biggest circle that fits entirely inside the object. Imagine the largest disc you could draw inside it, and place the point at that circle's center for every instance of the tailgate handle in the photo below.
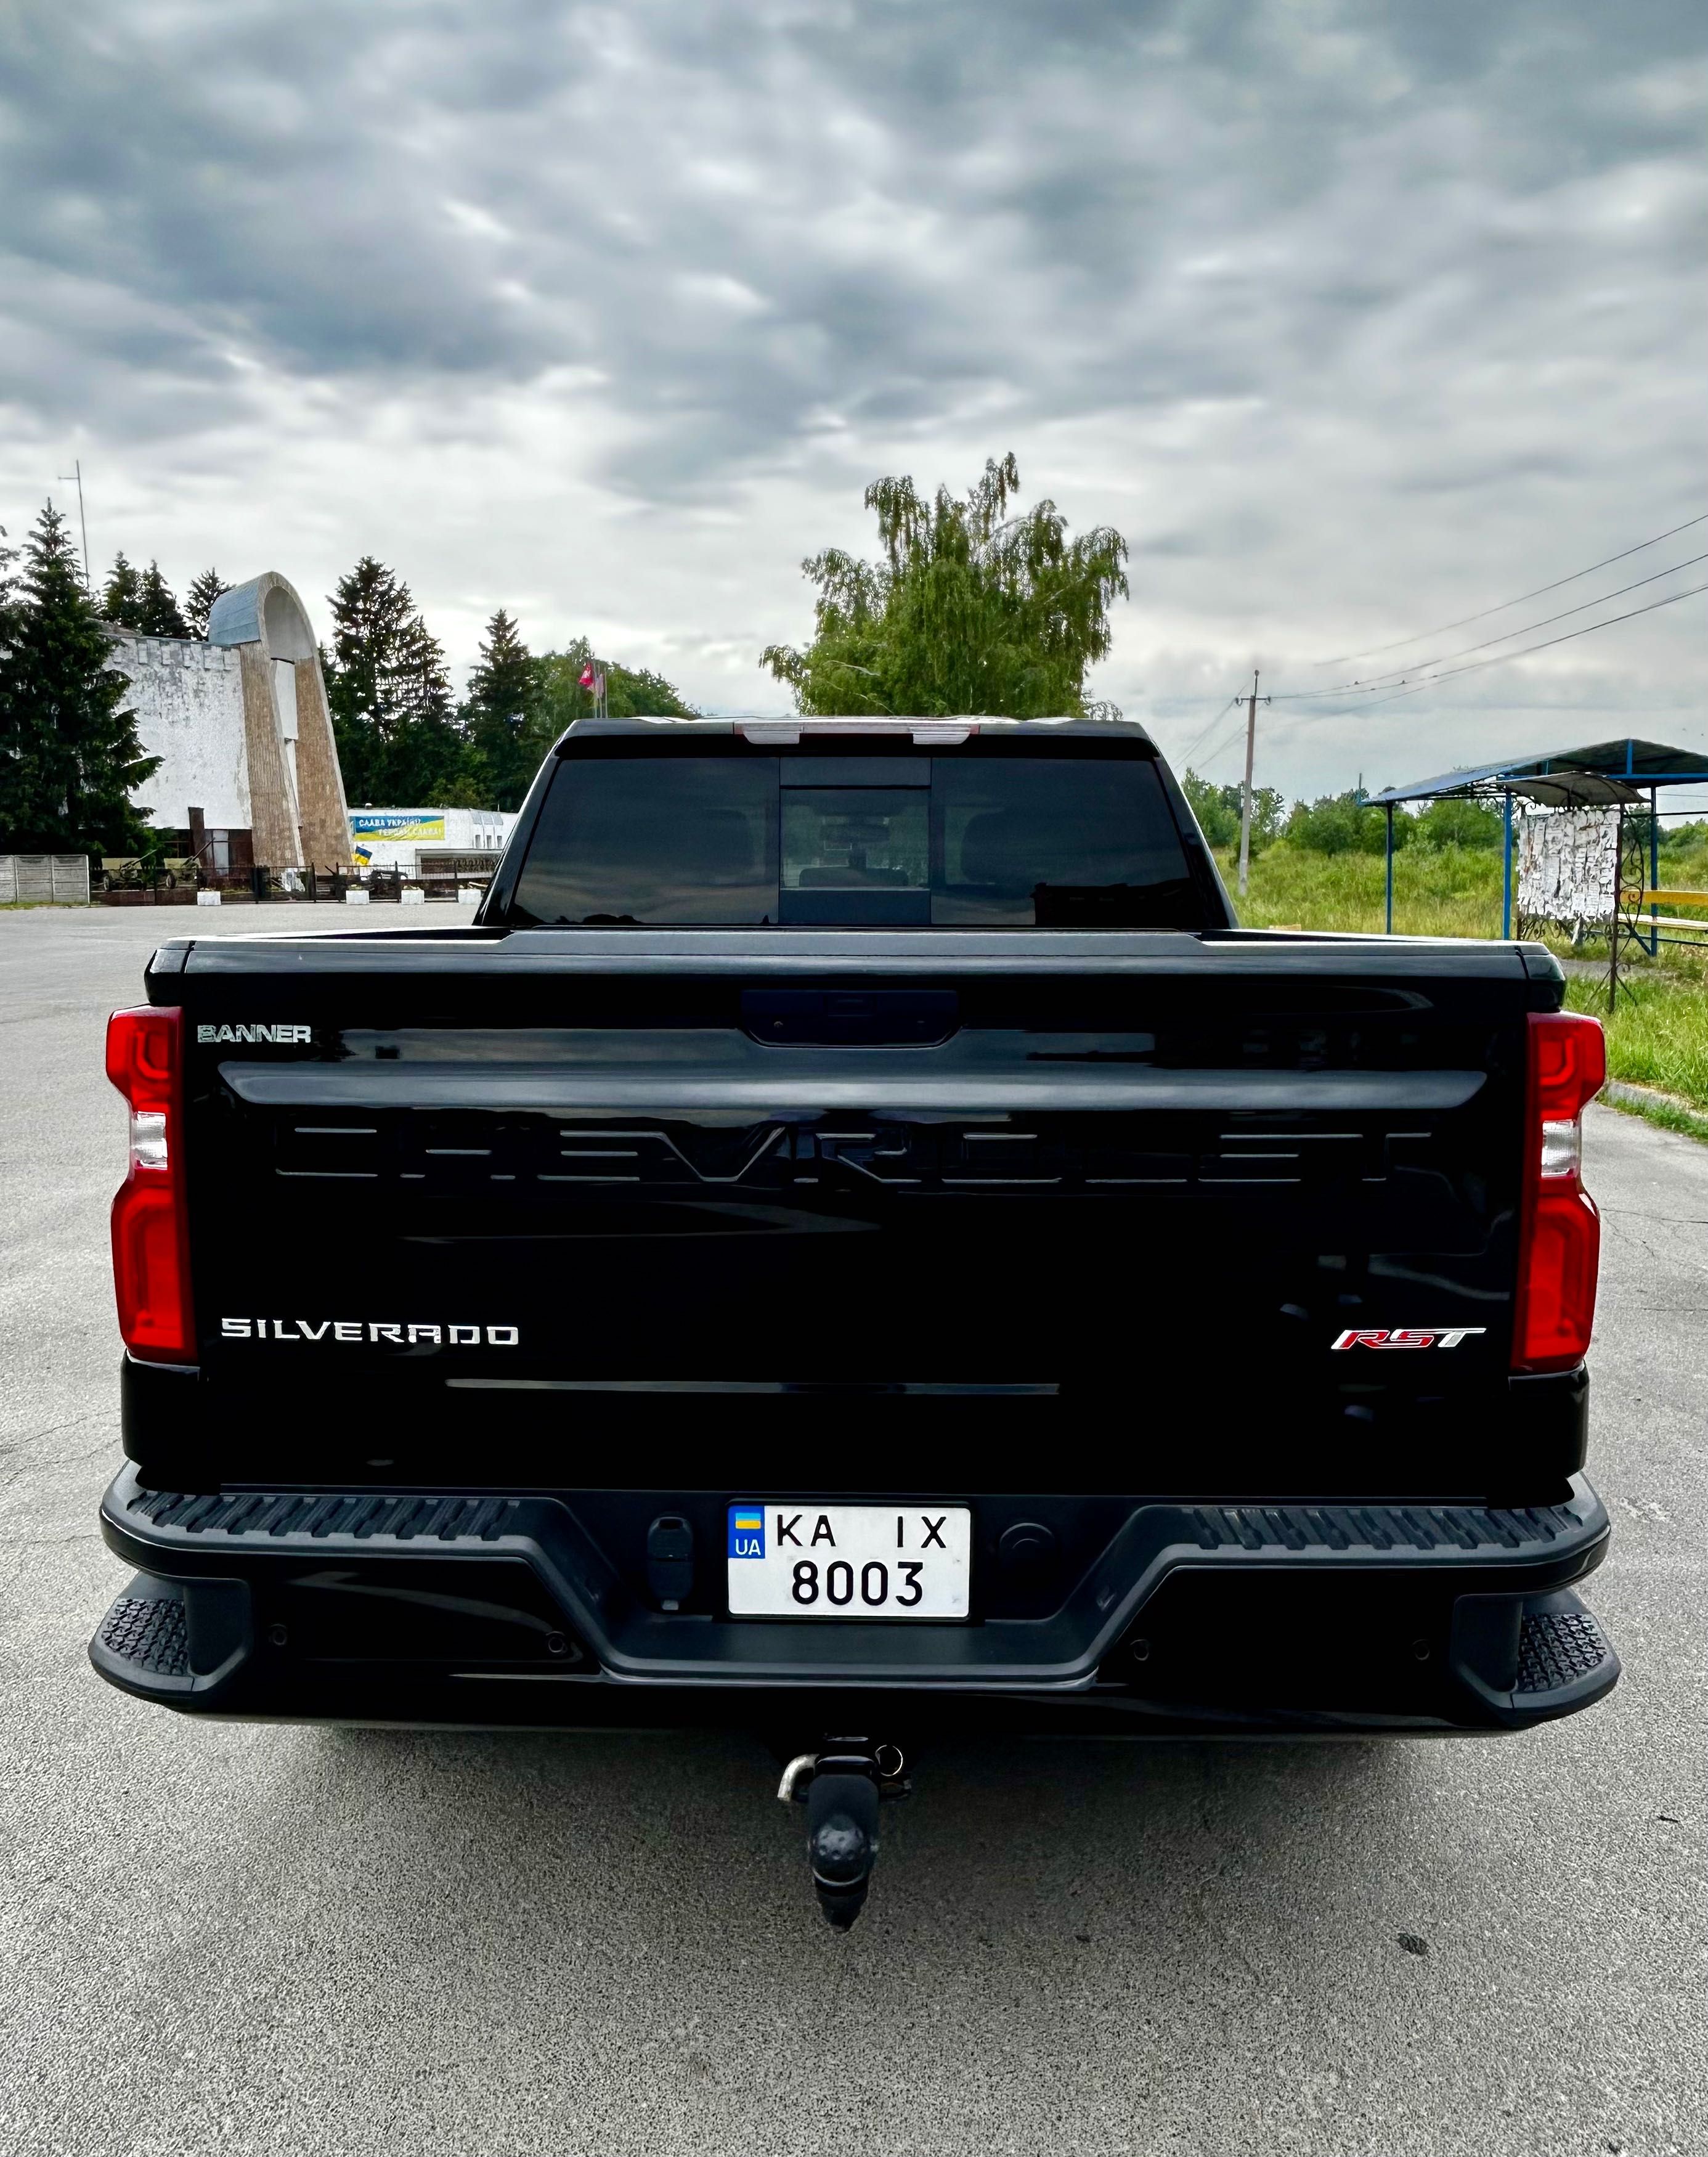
(850, 1017)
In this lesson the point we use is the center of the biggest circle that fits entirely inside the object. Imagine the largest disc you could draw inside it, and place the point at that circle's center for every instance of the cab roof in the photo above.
(786, 732)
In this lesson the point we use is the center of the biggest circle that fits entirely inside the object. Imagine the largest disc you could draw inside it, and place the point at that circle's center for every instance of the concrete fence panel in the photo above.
(53, 878)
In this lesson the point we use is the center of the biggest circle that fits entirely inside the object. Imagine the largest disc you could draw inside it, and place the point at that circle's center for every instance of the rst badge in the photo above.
(1406, 1336)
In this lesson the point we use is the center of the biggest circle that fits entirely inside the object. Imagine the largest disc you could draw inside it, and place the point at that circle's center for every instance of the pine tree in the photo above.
(420, 682)
(198, 601)
(123, 599)
(70, 755)
(501, 699)
(8, 593)
(157, 610)
(399, 742)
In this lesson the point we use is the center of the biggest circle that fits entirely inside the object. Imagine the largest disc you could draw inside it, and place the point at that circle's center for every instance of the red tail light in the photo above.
(151, 1228)
(1560, 1232)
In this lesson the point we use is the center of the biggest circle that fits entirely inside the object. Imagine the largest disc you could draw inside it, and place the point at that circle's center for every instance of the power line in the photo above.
(1200, 737)
(1477, 665)
(1374, 651)
(1228, 741)
(1397, 676)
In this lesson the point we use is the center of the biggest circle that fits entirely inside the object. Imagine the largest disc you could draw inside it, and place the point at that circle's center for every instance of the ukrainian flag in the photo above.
(747, 1531)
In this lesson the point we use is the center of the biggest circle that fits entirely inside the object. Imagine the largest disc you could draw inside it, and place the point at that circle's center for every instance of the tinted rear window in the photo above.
(883, 841)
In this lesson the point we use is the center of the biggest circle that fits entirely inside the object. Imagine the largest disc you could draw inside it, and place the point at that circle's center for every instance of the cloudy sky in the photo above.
(1355, 318)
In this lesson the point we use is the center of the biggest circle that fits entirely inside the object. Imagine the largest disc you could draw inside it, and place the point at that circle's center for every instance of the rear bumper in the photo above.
(494, 1608)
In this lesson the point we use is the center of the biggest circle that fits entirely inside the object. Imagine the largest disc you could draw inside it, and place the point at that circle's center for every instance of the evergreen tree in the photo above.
(421, 683)
(123, 599)
(971, 610)
(157, 610)
(9, 592)
(399, 743)
(502, 694)
(198, 601)
(70, 755)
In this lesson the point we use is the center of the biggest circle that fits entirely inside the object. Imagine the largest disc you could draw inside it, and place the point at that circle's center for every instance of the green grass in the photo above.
(1449, 891)
(1657, 1033)
(1658, 1036)
(1665, 1114)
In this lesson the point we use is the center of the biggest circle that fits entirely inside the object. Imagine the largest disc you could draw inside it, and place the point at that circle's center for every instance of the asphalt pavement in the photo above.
(248, 1938)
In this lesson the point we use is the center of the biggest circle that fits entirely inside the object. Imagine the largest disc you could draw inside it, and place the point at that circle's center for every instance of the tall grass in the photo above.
(1447, 891)
(1657, 1033)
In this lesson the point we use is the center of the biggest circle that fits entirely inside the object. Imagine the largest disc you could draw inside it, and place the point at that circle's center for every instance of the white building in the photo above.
(248, 768)
(424, 841)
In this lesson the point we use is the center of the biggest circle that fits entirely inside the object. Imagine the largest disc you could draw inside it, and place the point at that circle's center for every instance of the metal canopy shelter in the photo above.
(1606, 774)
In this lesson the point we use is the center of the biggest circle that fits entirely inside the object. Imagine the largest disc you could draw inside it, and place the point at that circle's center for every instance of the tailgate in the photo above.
(1130, 1190)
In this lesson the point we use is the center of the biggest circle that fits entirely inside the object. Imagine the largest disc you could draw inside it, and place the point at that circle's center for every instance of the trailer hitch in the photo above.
(841, 1787)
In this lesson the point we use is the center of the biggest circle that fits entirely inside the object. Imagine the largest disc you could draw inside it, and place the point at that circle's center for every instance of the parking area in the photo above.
(253, 1938)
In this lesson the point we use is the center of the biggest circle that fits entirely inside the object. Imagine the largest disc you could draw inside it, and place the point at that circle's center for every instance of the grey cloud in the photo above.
(918, 199)
(1328, 307)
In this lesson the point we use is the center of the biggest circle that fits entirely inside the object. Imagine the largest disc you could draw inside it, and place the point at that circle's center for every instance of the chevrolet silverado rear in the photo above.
(856, 1239)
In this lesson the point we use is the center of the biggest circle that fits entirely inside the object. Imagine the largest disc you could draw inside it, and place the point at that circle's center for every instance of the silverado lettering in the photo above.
(397, 1332)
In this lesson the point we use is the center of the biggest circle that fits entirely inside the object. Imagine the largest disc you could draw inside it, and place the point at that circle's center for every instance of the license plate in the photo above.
(850, 1560)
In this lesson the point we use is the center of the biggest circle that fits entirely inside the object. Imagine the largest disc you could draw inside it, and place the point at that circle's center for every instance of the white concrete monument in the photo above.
(241, 726)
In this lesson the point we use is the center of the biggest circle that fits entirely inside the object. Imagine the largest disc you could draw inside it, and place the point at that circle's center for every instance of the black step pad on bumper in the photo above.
(387, 1519)
(1425, 1530)
(1558, 1650)
(252, 1516)
(170, 1640)
(146, 1635)
(1532, 1658)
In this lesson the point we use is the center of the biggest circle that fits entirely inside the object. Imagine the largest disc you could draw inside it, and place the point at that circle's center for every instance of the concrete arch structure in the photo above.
(297, 810)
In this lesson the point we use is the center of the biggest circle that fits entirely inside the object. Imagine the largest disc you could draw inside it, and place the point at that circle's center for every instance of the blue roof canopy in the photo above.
(1604, 773)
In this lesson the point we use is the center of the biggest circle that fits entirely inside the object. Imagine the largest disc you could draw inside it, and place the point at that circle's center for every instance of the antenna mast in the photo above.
(76, 473)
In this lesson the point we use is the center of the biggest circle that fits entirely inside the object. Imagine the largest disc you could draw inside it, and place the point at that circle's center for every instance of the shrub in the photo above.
(1474, 824)
(1217, 809)
(1343, 824)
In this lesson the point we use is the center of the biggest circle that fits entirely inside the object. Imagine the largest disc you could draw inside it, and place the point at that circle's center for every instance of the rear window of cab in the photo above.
(891, 842)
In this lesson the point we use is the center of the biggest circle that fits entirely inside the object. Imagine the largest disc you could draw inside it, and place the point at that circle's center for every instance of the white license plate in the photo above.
(850, 1560)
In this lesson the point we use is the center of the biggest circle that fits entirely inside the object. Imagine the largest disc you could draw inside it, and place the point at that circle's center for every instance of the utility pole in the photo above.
(1245, 797)
(76, 473)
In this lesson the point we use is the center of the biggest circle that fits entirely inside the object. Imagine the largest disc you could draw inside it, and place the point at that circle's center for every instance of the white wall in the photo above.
(187, 698)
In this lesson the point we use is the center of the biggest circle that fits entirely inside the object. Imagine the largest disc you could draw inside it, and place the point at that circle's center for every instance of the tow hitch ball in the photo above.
(840, 1788)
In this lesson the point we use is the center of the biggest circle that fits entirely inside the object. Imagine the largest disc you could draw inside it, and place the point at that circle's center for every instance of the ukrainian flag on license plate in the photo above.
(747, 1531)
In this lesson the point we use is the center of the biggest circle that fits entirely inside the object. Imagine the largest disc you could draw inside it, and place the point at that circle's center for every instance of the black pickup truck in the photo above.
(856, 1240)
